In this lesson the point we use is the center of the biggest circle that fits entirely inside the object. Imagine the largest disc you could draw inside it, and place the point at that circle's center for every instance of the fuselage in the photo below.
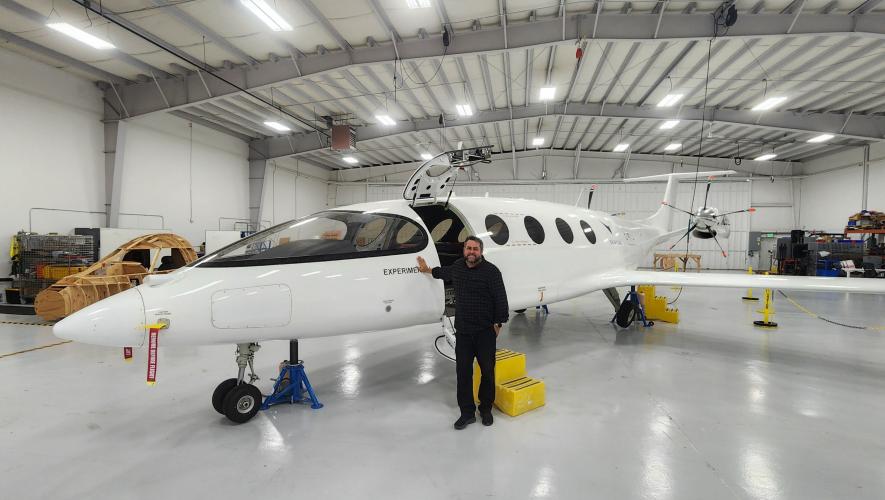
(546, 252)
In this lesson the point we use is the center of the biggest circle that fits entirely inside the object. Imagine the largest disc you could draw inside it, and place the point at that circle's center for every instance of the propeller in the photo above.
(707, 223)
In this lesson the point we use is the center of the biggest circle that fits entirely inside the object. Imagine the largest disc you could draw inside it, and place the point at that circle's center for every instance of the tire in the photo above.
(626, 314)
(242, 403)
(220, 392)
(519, 311)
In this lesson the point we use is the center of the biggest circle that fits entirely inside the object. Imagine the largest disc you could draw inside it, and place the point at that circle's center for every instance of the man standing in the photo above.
(480, 310)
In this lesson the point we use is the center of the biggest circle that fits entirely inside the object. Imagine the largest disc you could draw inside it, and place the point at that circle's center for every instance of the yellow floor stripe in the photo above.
(24, 323)
(35, 348)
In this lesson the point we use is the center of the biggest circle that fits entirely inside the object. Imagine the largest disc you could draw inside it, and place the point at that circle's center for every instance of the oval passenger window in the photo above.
(565, 231)
(588, 232)
(495, 225)
(534, 228)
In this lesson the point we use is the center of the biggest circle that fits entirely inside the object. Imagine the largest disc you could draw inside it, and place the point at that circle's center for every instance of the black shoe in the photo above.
(487, 419)
(464, 421)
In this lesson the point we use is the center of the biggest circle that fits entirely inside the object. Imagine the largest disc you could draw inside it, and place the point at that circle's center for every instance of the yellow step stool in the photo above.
(509, 365)
(656, 306)
(519, 396)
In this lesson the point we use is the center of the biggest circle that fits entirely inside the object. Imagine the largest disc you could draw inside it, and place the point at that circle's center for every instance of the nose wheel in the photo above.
(235, 398)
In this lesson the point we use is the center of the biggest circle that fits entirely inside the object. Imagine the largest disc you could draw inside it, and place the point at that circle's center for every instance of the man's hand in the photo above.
(497, 329)
(422, 265)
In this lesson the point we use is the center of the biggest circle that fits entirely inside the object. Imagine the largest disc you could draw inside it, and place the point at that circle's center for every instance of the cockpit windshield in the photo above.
(330, 235)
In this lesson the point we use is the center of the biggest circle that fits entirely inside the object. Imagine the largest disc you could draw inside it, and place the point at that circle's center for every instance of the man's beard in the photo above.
(474, 259)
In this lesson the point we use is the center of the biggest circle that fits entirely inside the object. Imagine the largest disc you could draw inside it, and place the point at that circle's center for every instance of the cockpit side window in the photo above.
(331, 235)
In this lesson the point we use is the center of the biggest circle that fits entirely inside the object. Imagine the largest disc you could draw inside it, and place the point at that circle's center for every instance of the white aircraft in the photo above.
(353, 269)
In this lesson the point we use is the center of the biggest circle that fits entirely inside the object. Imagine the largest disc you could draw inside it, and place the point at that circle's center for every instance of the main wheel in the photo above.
(519, 311)
(220, 392)
(626, 314)
(242, 403)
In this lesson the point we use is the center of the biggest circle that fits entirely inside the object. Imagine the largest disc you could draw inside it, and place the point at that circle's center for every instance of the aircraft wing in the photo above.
(736, 280)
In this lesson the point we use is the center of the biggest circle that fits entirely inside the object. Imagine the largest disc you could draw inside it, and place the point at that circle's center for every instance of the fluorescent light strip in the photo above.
(547, 93)
(669, 100)
(673, 146)
(279, 127)
(769, 103)
(538, 141)
(464, 109)
(621, 147)
(350, 159)
(385, 120)
(765, 157)
(667, 125)
(417, 4)
(81, 36)
(426, 156)
(821, 138)
(267, 15)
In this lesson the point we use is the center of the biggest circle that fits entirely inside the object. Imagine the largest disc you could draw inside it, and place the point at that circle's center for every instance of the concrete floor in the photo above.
(711, 408)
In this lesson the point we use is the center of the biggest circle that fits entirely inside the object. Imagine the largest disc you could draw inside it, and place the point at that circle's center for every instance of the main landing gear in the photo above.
(239, 401)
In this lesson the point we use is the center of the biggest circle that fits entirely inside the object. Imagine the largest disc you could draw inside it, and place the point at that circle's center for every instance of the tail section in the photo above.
(663, 218)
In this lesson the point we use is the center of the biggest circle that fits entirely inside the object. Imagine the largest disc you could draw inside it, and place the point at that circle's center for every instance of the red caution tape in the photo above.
(127, 353)
(153, 339)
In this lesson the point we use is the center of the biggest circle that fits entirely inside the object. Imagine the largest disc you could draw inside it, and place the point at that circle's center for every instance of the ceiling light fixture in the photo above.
(464, 109)
(621, 147)
(673, 146)
(350, 159)
(669, 100)
(417, 4)
(765, 157)
(769, 103)
(279, 127)
(667, 125)
(538, 141)
(267, 15)
(426, 156)
(81, 36)
(386, 120)
(547, 93)
(821, 138)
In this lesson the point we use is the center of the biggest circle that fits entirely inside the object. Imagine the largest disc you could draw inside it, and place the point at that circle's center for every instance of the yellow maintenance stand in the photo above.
(515, 393)
(656, 305)
(767, 310)
(749, 295)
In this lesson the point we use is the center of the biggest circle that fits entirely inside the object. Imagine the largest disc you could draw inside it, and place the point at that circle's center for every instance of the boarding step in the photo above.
(656, 306)
(512, 399)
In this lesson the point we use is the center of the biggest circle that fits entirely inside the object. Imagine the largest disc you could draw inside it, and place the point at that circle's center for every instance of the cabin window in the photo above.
(565, 231)
(588, 232)
(534, 228)
(440, 229)
(331, 235)
(497, 228)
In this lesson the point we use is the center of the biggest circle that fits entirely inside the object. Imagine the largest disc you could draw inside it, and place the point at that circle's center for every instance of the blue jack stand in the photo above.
(632, 298)
(293, 373)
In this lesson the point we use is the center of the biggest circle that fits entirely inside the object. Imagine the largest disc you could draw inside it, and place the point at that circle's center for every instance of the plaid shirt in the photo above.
(480, 297)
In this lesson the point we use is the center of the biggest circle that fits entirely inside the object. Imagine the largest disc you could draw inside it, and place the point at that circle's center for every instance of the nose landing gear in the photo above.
(239, 401)
(234, 398)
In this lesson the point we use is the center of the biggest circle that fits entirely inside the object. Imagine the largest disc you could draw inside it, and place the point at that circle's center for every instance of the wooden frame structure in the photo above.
(120, 270)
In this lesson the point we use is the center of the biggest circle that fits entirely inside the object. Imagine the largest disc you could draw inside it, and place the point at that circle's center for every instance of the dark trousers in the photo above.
(481, 346)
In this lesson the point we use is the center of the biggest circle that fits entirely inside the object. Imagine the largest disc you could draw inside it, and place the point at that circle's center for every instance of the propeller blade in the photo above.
(749, 210)
(677, 209)
(687, 233)
(720, 246)
(707, 194)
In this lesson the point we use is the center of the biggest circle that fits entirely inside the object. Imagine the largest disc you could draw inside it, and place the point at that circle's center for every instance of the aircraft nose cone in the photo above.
(116, 321)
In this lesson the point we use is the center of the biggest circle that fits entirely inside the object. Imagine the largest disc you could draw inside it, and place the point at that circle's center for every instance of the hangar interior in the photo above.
(217, 119)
